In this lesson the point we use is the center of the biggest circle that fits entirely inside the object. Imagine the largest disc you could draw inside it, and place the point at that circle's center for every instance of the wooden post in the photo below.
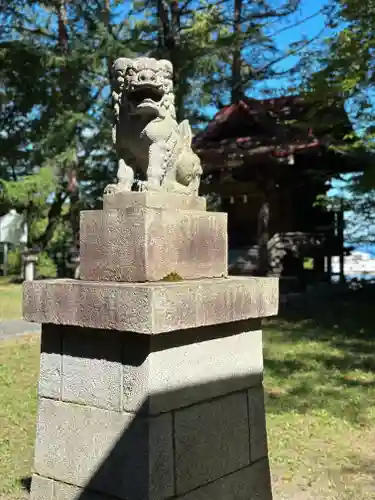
(263, 231)
(5, 259)
(263, 238)
(329, 266)
(340, 235)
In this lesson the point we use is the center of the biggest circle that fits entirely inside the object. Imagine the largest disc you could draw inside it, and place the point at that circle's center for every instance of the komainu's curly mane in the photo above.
(145, 132)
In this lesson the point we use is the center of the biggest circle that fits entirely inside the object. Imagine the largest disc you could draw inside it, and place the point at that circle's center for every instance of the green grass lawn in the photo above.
(320, 383)
(10, 300)
(19, 365)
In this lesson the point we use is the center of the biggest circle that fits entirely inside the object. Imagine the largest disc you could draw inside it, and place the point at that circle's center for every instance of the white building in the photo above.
(356, 263)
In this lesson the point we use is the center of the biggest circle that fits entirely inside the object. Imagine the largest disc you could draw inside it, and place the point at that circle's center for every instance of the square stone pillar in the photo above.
(151, 389)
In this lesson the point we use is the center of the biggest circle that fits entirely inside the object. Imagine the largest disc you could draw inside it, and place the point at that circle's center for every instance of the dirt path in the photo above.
(17, 327)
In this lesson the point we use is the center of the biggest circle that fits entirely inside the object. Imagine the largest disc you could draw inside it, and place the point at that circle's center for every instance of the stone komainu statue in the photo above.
(148, 140)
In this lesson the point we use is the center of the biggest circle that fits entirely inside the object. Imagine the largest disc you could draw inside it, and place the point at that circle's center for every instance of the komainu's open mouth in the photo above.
(144, 93)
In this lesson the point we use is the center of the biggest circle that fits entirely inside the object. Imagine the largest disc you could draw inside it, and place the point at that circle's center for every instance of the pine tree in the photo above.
(55, 75)
(55, 59)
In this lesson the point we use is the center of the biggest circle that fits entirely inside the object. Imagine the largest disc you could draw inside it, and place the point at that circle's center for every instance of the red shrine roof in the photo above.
(277, 128)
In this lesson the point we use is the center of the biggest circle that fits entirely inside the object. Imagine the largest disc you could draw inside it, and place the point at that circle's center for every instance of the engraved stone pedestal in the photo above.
(151, 390)
(149, 236)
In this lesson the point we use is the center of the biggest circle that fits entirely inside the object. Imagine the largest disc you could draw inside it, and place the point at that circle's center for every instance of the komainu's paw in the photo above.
(176, 187)
(111, 189)
(141, 186)
(152, 185)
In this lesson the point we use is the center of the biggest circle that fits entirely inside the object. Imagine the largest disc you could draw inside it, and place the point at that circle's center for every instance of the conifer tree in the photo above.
(55, 59)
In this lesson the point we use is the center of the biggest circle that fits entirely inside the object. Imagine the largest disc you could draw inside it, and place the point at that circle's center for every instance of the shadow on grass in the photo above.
(363, 467)
(26, 483)
(322, 357)
(11, 280)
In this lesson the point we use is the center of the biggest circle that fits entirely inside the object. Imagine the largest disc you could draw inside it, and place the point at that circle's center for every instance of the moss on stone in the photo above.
(173, 276)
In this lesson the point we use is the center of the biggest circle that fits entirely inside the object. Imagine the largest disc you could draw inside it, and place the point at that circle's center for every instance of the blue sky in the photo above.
(307, 24)
(311, 24)
(310, 27)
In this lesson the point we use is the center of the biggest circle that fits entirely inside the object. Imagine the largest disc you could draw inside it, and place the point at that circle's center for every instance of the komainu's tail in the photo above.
(185, 134)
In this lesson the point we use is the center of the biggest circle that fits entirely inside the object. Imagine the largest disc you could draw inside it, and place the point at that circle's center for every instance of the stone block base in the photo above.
(115, 453)
(249, 483)
(140, 244)
(150, 308)
(138, 417)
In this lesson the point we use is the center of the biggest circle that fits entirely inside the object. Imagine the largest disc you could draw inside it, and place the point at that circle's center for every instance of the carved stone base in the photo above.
(139, 244)
(150, 308)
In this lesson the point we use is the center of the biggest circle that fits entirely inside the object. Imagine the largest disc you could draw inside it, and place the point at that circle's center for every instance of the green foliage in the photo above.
(172, 276)
(55, 61)
(213, 202)
(14, 262)
(54, 73)
(341, 71)
(346, 68)
(62, 235)
(308, 264)
(31, 193)
(46, 267)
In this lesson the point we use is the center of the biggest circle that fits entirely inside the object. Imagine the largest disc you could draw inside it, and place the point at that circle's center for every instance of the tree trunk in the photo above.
(340, 234)
(263, 238)
(169, 46)
(107, 24)
(63, 43)
(236, 84)
(164, 25)
(53, 219)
